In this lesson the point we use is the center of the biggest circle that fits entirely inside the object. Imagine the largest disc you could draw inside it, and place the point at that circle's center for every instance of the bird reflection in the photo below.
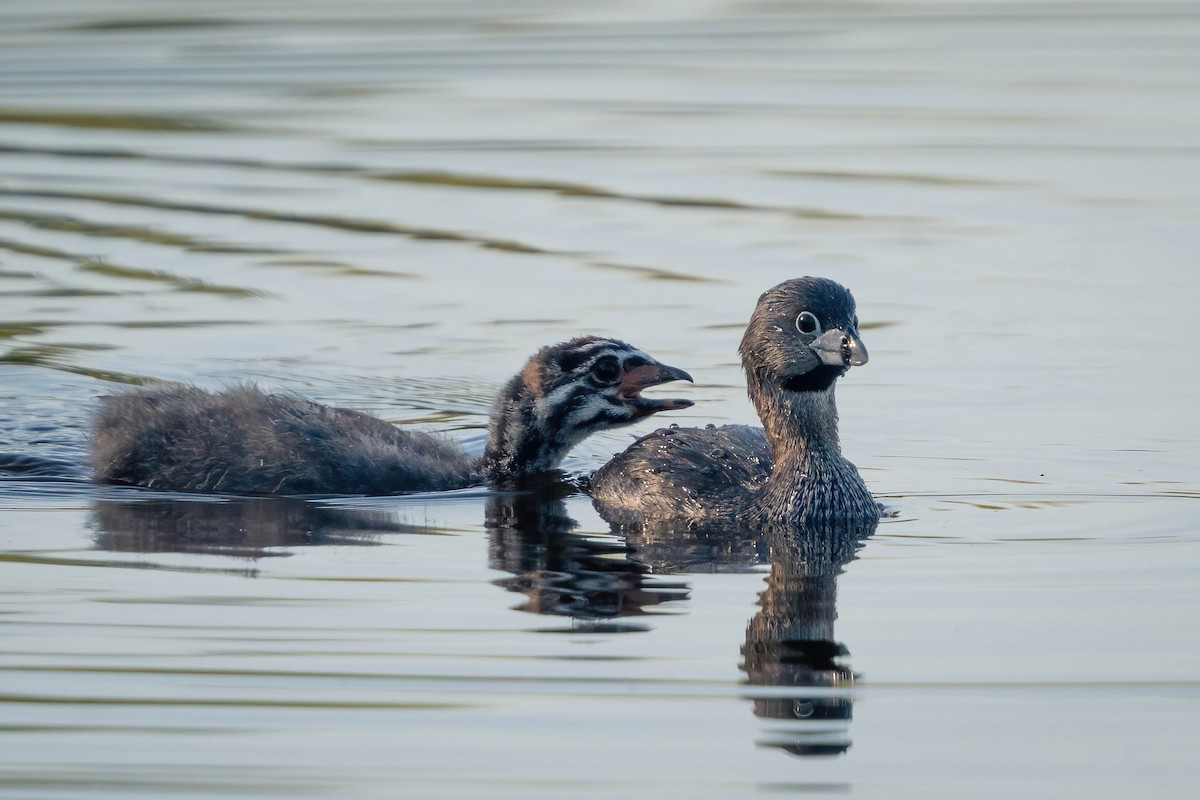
(248, 527)
(791, 658)
(563, 572)
(790, 643)
(796, 674)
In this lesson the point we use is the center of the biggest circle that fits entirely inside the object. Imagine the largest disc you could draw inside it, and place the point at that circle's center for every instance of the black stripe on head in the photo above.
(571, 355)
(605, 418)
(571, 359)
(558, 416)
(633, 362)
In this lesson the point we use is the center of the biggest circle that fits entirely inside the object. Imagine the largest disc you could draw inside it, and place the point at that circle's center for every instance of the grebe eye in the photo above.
(606, 369)
(808, 323)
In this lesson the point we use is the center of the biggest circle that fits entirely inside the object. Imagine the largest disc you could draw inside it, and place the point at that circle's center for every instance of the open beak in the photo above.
(840, 348)
(645, 376)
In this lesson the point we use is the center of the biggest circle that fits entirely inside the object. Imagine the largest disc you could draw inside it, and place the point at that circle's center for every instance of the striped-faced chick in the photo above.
(565, 393)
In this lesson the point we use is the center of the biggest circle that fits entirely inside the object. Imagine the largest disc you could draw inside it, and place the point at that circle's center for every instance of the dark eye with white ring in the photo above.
(807, 323)
(606, 369)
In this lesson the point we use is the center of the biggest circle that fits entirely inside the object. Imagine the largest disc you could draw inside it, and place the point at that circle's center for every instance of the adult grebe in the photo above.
(802, 336)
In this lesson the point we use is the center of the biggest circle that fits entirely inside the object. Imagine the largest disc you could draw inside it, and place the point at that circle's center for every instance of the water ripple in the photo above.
(352, 224)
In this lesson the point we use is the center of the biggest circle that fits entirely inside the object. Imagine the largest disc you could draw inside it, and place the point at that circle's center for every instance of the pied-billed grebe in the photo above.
(243, 441)
(802, 336)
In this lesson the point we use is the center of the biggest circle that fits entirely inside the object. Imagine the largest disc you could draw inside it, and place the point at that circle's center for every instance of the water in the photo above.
(388, 206)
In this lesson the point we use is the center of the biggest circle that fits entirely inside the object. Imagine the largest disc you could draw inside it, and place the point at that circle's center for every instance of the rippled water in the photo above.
(388, 206)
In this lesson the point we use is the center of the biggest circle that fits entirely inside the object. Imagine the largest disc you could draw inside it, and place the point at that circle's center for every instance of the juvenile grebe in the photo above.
(802, 336)
(244, 441)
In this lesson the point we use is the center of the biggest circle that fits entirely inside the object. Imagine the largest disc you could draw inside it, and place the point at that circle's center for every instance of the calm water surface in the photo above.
(389, 206)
